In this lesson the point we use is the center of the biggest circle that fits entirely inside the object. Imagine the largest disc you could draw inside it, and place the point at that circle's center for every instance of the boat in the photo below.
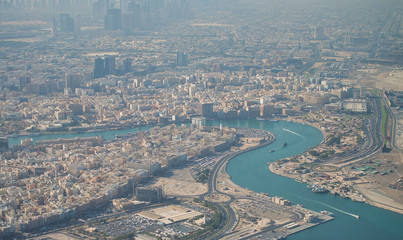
(272, 150)
(285, 144)
(327, 213)
(319, 190)
(358, 217)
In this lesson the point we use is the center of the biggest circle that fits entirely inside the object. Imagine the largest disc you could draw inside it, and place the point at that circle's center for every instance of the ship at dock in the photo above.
(317, 189)
(327, 213)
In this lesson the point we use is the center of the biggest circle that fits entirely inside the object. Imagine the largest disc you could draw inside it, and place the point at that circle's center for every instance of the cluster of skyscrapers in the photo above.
(129, 14)
(117, 14)
(104, 66)
(107, 66)
(181, 59)
(53, 4)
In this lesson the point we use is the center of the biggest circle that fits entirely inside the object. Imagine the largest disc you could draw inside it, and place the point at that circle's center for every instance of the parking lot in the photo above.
(129, 224)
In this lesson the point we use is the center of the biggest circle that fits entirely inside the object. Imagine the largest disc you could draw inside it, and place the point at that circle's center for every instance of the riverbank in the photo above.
(250, 171)
(362, 191)
(224, 177)
(379, 199)
(281, 227)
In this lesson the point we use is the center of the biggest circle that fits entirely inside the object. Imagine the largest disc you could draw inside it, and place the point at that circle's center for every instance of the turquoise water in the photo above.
(251, 170)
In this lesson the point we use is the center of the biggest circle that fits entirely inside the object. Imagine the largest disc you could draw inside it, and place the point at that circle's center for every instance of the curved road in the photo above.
(374, 145)
(374, 141)
(228, 214)
(391, 116)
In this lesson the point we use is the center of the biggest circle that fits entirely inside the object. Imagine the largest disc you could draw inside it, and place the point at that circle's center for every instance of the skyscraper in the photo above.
(77, 23)
(73, 81)
(66, 23)
(124, 6)
(127, 65)
(113, 19)
(110, 65)
(24, 81)
(207, 110)
(99, 8)
(99, 69)
(181, 59)
(54, 26)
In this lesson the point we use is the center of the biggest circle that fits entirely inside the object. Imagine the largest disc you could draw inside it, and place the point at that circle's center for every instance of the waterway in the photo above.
(250, 170)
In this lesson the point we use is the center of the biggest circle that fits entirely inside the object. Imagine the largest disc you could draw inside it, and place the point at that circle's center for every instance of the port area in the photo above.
(294, 228)
(282, 227)
(245, 214)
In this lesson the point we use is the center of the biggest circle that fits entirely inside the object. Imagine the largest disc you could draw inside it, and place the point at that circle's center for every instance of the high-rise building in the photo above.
(113, 19)
(73, 81)
(133, 19)
(124, 6)
(110, 66)
(3, 144)
(66, 23)
(105, 66)
(24, 81)
(207, 110)
(77, 23)
(54, 26)
(99, 8)
(127, 65)
(181, 59)
(266, 110)
(99, 69)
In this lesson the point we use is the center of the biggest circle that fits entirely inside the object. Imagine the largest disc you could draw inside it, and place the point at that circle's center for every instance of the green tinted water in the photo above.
(251, 170)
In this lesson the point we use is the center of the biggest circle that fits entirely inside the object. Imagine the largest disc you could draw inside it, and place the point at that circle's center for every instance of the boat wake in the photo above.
(329, 206)
(299, 135)
(339, 210)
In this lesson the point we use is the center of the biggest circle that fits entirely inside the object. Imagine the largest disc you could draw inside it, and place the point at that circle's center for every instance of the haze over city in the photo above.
(201, 119)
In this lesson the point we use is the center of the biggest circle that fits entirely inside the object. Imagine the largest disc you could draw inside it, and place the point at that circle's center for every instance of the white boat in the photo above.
(327, 213)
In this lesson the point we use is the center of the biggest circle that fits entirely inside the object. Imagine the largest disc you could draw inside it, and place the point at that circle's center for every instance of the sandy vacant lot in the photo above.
(179, 182)
(382, 77)
(378, 191)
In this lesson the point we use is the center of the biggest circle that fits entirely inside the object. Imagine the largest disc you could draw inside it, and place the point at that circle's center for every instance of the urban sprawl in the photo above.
(163, 71)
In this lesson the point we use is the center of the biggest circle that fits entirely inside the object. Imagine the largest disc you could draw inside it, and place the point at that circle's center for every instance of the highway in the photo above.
(229, 220)
(392, 117)
(374, 141)
(374, 144)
